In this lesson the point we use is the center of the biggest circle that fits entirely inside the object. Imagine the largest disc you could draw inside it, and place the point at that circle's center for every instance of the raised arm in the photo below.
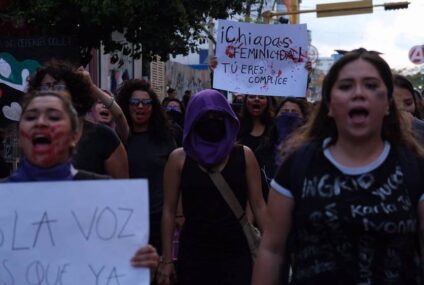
(122, 127)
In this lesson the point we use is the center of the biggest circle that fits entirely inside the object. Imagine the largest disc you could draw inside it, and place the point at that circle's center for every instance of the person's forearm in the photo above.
(107, 100)
(122, 127)
(267, 267)
(168, 227)
(260, 215)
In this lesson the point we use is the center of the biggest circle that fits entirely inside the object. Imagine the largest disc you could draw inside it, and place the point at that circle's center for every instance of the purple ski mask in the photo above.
(205, 151)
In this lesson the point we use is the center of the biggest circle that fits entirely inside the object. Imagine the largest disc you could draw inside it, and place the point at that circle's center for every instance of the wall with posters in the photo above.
(19, 58)
(182, 77)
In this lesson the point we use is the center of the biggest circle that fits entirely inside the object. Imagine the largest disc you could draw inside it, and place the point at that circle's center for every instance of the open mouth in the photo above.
(41, 141)
(362, 112)
(256, 107)
(358, 115)
(104, 113)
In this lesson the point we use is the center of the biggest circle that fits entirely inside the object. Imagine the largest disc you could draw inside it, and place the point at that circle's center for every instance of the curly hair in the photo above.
(79, 89)
(158, 126)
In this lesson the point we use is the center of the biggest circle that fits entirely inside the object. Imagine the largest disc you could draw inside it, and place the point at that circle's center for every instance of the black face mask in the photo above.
(176, 116)
(211, 130)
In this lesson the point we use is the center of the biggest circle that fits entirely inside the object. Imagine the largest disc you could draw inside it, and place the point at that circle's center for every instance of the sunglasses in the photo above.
(52, 87)
(137, 102)
(173, 108)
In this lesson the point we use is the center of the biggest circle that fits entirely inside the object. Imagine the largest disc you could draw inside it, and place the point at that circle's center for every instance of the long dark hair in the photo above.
(401, 81)
(321, 125)
(266, 118)
(158, 125)
(246, 120)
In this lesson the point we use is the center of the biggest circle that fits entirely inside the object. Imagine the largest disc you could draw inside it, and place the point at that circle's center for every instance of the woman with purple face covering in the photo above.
(213, 248)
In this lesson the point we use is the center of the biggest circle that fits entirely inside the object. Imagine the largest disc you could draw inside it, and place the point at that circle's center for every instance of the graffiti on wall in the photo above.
(19, 58)
(182, 77)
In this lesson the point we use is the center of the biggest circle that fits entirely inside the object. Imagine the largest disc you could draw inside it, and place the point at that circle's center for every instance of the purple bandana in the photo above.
(28, 172)
(204, 152)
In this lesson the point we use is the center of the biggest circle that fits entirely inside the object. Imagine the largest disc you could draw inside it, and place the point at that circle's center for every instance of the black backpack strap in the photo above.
(301, 160)
(411, 172)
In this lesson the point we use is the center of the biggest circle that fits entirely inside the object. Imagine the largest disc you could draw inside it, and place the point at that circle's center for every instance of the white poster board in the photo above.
(261, 59)
(76, 232)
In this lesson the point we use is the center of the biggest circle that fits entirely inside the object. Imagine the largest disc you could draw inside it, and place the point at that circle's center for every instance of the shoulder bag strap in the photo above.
(227, 193)
(229, 197)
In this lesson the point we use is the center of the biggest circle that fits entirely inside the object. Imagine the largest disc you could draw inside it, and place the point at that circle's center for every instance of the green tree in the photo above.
(414, 75)
(416, 79)
(165, 27)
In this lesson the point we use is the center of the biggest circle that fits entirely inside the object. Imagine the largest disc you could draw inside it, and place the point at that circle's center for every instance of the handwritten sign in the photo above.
(261, 59)
(79, 232)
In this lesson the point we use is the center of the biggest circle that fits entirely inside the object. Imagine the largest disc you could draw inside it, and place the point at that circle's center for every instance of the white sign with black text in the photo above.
(261, 59)
(76, 232)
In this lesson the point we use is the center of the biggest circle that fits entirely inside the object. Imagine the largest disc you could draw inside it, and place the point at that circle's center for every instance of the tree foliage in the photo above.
(416, 79)
(165, 27)
(414, 75)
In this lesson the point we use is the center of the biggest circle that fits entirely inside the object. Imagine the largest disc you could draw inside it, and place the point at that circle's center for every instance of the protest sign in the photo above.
(261, 59)
(75, 232)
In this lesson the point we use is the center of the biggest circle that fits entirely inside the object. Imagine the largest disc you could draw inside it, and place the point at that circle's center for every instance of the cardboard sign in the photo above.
(76, 232)
(261, 59)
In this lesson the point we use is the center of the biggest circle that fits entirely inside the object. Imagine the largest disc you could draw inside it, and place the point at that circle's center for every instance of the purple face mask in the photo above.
(286, 123)
(209, 149)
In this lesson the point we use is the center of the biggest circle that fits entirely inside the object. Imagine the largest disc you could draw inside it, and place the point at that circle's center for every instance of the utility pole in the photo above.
(338, 9)
(211, 43)
(294, 7)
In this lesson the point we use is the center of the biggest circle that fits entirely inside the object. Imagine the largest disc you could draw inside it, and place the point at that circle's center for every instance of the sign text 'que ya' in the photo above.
(77, 232)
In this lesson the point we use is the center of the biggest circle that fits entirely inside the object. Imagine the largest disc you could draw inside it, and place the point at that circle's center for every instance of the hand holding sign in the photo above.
(146, 256)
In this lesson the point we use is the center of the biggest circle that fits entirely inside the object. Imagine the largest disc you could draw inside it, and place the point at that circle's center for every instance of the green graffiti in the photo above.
(14, 73)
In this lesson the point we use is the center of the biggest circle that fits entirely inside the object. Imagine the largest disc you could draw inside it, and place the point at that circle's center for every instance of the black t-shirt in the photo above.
(86, 175)
(352, 225)
(265, 153)
(146, 159)
(96, 145)
(253, 142)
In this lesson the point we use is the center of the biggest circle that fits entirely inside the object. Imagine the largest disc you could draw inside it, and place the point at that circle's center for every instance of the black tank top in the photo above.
(208, 218)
